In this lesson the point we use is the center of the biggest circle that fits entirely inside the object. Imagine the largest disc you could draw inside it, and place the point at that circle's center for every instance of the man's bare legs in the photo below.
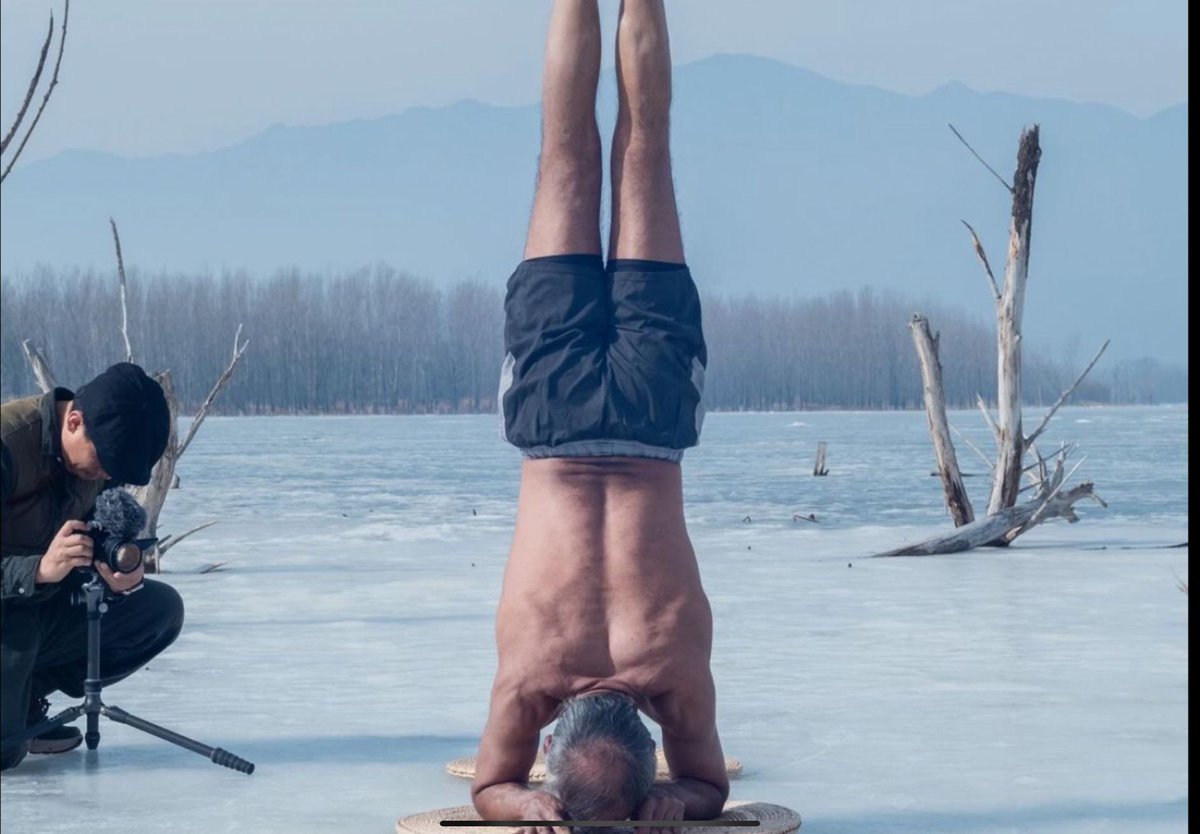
(566, 205)
(645, 219)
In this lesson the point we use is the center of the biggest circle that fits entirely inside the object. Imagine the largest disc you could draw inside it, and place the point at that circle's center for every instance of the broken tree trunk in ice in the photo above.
(819, 467)
(957, 501)
(992, 528)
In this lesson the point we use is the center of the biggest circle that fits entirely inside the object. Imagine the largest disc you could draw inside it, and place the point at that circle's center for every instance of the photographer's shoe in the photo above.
(59, 740)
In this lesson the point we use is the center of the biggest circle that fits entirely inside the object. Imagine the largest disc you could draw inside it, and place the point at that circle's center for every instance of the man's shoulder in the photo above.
(20, 443)
(21, 419)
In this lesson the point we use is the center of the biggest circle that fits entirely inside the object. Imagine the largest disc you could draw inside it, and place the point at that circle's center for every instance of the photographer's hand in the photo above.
(121, 582)
(71, 548)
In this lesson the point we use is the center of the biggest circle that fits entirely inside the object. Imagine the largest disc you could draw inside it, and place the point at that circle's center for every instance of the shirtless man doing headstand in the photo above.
(602, 615)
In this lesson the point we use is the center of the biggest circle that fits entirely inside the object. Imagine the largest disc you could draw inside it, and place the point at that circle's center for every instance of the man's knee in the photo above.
(566, 165)
(141, 625)
(162, 611)
(645, 156)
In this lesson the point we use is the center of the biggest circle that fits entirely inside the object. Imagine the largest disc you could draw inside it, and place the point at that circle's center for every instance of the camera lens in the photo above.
(127, 558)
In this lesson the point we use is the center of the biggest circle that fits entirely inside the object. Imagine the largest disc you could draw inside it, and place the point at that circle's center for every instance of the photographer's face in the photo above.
(79, 453)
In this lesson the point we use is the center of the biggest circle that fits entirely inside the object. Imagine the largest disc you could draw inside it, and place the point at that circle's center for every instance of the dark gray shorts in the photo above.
(602, 362)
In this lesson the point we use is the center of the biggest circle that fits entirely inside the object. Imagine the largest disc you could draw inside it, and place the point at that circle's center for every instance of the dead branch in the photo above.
(216, 389)
(987, 268)
(1065, 396)
(41, 368)
(958, 503)
(124, 302)
(972, 447)
(987, 416)
(62, 42)
(1059, 480)
(980, 158)
(167, 542)
(33, 83)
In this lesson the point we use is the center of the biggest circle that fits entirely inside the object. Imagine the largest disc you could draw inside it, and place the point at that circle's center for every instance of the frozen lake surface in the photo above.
(347, 648)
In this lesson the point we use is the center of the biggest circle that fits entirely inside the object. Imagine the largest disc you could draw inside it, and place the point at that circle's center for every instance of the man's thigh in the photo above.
(658, 356)
(557, 326)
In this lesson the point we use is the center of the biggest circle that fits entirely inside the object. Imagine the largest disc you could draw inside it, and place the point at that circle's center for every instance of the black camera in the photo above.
(115, 523)
(121, 554)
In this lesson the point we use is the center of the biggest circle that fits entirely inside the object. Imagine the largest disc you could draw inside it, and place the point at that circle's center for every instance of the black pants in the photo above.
(43, 648)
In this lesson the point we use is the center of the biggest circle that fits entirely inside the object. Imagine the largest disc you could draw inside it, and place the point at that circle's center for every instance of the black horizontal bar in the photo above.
(599, 823)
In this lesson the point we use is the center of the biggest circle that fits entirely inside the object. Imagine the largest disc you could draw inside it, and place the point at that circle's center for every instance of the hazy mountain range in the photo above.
(788, 182)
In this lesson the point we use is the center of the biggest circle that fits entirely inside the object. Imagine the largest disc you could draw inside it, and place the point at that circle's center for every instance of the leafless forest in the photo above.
(380, 341)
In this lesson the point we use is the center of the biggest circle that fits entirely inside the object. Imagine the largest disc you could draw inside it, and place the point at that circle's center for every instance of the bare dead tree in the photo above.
(41, 368)
(33, 84)
(124, 298)
(153, 495)
(1006, 519)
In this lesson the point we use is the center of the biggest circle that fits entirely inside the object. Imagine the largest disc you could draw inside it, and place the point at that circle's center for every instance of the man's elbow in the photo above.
(722, 791)
(712, 796)
(488, 799)
(478, 790)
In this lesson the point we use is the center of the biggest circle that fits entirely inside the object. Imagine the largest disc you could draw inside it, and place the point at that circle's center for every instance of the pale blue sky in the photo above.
(154, 76)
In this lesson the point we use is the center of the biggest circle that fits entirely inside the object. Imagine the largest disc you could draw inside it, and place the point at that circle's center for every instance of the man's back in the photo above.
(602, 590)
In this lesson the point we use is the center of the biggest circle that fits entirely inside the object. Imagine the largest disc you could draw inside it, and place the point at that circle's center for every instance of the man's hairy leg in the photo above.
(565, 220)
(645, 226)
(566, 205)
(645, 219)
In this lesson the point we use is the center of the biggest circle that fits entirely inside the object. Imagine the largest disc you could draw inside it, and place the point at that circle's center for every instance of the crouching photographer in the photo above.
(60, 451)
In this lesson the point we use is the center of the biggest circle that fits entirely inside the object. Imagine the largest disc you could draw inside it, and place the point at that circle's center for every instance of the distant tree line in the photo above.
(381, 341)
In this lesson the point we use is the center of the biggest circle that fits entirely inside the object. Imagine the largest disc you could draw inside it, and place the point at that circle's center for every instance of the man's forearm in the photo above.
(18, 575)
(701, 801)
(504, 801)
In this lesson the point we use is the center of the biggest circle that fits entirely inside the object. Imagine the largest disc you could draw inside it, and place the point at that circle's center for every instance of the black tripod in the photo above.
(91, 594)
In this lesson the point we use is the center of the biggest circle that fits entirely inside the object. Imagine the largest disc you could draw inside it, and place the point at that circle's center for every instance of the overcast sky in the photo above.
(144, 77)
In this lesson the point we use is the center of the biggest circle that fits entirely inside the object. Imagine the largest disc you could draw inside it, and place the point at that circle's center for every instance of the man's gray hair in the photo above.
(601, 756)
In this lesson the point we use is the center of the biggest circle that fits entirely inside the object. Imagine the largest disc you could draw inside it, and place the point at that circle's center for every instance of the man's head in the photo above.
(600, 759)
(116, 427)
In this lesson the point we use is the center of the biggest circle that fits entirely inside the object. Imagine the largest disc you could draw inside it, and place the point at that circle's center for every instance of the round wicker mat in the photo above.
(772, 819)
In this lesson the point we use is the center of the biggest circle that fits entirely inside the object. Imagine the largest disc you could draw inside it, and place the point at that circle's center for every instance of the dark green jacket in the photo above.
(37, 494)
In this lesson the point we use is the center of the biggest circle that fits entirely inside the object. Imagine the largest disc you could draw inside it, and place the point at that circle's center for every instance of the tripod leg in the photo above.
(214, 754)
(92, 737)
(65, 717)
